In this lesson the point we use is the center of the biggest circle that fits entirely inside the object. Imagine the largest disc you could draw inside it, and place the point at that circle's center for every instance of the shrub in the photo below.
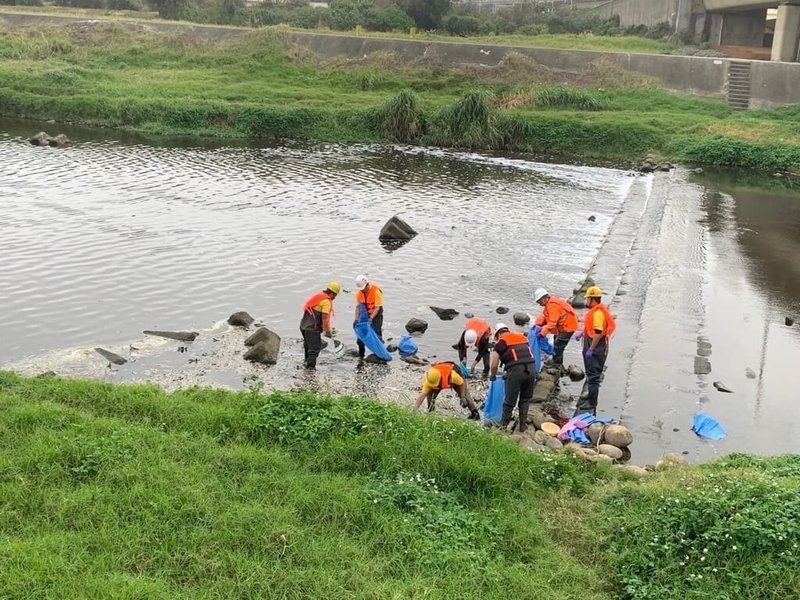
(401, 117)
(310, 17)
(469, 123)
(389, 18)
(135, 5)
(463, 25)
(81, 3)
(567, 97)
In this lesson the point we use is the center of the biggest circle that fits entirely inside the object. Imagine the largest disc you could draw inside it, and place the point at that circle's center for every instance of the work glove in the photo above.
(589, 354)
(578, 336)
(493, 378)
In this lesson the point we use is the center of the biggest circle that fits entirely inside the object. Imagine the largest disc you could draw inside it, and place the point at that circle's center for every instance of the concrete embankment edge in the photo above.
(772, 84)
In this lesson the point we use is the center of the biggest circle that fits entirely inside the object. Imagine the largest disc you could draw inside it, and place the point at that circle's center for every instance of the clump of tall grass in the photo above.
(610, 75)
(469, 123)
(401, 117)
(567, 97)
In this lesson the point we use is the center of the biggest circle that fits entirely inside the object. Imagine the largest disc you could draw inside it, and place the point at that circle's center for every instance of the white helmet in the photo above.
(499, 327)
(362, 282)
(470, 336)
(539, 294)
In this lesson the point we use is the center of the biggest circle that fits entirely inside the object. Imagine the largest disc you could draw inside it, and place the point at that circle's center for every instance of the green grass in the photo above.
(128, 492)
(259, 86)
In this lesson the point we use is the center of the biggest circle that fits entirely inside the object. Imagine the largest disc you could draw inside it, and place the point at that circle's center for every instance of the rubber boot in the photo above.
(523, 418)
(474, 416)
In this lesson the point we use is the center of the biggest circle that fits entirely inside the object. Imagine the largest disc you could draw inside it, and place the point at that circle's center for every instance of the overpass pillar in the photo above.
(787, 33)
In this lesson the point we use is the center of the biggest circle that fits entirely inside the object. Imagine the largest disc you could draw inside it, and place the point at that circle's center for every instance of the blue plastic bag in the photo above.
(364, 332)
(708, 427)
(407, 346)
(493, 407)
(539, 345)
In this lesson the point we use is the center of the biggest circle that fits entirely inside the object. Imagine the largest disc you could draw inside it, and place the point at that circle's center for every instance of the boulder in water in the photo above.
(702, 366)
(265, 352)
(115, 359)
(40, 139)
(501, 310)
(262, 334)
(60, 141)
(789, 321)
(416, 326)
(241, 319)
(445, 314)
(469, 315)
(181, 336)
(610, 450)
(391, 348)
(618, 435)
(396, 230)
(521, 318)
(595, 432)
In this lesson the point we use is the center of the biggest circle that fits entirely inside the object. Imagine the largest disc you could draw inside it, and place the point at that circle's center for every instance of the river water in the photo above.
(113, 236)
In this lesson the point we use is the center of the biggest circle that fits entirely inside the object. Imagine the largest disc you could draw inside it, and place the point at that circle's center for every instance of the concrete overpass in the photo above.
(740, 18)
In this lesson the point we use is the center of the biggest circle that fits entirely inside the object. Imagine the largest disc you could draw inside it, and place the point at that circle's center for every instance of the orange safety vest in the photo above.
(567, 319)
(369, 300)
(517, 351)
(482, 328)
(588, 322)
(315, 301)
(446, 370)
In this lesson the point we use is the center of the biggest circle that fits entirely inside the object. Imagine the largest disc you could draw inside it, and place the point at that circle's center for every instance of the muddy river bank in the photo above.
(110, 237)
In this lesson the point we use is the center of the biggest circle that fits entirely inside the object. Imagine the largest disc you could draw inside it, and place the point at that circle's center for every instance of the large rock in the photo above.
(543, 390)
(553, 444)
(272, 339)
(521, 318)
(601, 459)
(675, 458)
(181, 336)
(609, 450)
(241, 319)
(618, 435)
(538, 417)
(540, 437)
(115, 359)
(40, 139)
(60, 141)
(396, 230)
(575, 373)
(265, 352)
(445, 314)
(501, 310)
(416, 326)
(527, 443)
(595, 432)
(702, 366)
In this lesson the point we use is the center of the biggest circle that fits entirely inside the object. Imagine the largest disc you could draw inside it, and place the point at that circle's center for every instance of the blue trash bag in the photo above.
(493, 408)
(364, 332)
(539, 345)
(708, 427)
(407, 346)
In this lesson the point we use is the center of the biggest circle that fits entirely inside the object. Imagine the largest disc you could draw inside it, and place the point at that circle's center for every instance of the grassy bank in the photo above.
(122, 491)
(258, 86)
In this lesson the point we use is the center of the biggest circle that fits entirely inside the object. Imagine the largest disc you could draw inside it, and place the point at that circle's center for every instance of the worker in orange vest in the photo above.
(369, 297)
(558, 318)
(318, 319)
(445, 376)
(476, 333)
(598, 327)
(512, 350)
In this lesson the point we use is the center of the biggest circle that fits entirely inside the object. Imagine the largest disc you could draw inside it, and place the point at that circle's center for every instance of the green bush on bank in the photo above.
(129, 491)
(728, 152)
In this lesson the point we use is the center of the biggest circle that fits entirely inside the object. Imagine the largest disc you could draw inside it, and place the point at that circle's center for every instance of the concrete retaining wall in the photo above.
(773, 84)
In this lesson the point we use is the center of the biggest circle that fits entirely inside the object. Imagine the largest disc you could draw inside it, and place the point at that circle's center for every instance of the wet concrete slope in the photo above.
(694, 309)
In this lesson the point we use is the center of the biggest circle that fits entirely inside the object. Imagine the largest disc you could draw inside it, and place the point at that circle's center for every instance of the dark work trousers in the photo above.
(483, 351)
(312, 345)
(560, 341)
(520, 380)
(594, 375)
(377, 326)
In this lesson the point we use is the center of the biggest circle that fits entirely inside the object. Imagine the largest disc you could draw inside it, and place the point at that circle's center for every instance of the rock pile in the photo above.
(42, 139)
